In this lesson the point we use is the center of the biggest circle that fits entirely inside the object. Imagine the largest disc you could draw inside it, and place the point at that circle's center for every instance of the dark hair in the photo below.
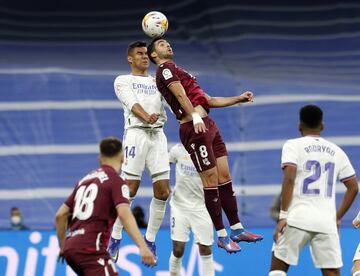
(151, 47)
(110, 146)
(135, 44)
(311, 116)
(14, 209)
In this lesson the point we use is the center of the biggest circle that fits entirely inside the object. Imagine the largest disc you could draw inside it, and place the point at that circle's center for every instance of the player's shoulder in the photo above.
(122, 78)
(293, 142)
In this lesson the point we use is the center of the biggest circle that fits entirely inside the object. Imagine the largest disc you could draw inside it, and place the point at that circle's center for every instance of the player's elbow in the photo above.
(62, 214)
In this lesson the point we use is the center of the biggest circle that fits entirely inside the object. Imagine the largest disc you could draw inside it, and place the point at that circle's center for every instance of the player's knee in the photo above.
(277, 273)
(204, 250)
(178, 250)
(210, 178)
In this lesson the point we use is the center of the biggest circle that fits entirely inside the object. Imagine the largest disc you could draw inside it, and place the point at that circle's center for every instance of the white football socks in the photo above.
(175, 265)
(118, 227)
(207, 265)
(237, 226)
(277, 273)
(156, 216)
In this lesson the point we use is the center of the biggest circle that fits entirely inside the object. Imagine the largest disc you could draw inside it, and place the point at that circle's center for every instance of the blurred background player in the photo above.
(356, 259)
(202, 140)
(96, 201)
(311, 165)
(188, 212)
(145, 143)
(16, 219)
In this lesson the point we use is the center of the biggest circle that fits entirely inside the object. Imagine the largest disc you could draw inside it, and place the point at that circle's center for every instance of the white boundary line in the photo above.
(93, 148)
(113, 104)
(61, 192)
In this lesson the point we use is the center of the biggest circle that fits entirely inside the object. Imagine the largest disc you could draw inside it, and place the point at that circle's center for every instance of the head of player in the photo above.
(160, 51)
(137, 58)
(111, 153)
(311, 120)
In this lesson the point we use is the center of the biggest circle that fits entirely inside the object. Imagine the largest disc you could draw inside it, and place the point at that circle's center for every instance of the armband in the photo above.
(196, 118)
(283, 214)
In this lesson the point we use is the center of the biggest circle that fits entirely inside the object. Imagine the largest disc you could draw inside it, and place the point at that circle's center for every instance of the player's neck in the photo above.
(111, 163)
(161, 61)
(137, 72)
(312, 133)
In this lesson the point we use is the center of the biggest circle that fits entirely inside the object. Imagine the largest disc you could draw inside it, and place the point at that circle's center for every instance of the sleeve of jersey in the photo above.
(70, 201)
(346, 169)
(120, 192)
(124, 93)
(168, 74)
(289, 155)
(172, 154)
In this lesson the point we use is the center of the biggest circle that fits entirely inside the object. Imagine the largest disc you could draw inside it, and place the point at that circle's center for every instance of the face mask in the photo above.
(15, 220)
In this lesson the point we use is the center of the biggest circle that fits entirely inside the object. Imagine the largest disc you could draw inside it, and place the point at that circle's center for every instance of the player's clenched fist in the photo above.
(147, 257)
(153, 118)
(247, 96)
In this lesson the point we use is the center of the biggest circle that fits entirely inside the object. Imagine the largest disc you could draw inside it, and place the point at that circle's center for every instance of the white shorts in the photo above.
(357, 254)
(324, 248)
(145, 147)
(199, 222)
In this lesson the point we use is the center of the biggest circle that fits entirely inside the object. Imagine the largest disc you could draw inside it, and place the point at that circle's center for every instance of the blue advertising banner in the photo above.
(34, 253)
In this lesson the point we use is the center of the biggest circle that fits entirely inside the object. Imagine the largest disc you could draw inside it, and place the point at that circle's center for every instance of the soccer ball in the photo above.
(155, 24)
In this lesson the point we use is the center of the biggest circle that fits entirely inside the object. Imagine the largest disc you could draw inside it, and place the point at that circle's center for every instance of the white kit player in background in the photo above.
(188, 212)
(356, 259)
(144, 141)
(311, 165)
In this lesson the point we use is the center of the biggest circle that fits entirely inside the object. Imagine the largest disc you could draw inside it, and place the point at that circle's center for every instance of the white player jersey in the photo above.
(132, 89)
(188, 192)
(319, 164)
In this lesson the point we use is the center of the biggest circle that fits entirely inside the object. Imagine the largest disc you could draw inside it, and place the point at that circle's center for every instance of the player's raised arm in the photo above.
(245, 97)
(178, 90)
(132, 229)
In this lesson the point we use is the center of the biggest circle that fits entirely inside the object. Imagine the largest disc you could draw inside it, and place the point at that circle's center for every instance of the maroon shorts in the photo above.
(91, 264)
(203, 148)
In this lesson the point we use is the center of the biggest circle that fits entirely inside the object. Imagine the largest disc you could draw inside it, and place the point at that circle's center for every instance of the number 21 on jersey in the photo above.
(84, 201)
(315, 167)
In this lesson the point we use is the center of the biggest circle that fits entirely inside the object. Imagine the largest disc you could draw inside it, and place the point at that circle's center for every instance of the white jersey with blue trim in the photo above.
(131, 89)
(188, 192)
(320, 164)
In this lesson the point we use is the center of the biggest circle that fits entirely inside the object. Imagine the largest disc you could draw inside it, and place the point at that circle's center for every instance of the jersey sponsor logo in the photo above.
(125, 191)
(167, 74)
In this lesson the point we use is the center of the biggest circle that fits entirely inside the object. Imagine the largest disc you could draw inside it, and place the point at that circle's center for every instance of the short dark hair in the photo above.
(110, 146)
(135, 44)
(311, 116)
(151, 48)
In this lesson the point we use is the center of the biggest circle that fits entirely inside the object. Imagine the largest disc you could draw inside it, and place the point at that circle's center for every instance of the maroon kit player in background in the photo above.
(201, 138)
(92, 208)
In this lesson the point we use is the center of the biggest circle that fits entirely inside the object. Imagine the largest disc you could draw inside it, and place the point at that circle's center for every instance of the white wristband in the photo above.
(196, 118)
(283, 214)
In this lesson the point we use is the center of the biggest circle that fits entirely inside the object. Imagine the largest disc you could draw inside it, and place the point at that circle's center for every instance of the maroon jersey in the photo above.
(169, 72)
(93, 208)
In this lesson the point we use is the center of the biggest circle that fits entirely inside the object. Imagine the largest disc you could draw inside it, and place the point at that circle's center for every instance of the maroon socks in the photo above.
(213, 205)
(228, 202)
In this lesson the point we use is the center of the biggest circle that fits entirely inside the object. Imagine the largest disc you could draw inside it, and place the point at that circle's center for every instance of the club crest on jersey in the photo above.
(167, 74)
(125, 191)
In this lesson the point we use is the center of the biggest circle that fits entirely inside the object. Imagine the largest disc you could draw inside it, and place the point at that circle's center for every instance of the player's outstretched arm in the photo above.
(349, 196)
(61, 222)
(132, 229)
(245, 97)
(179, 92)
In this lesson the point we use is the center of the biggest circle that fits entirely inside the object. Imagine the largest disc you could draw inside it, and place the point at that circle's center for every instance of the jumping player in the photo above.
(188, 212)
(202, 140)
(144, 141)
(311, 165)
(96, 201)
